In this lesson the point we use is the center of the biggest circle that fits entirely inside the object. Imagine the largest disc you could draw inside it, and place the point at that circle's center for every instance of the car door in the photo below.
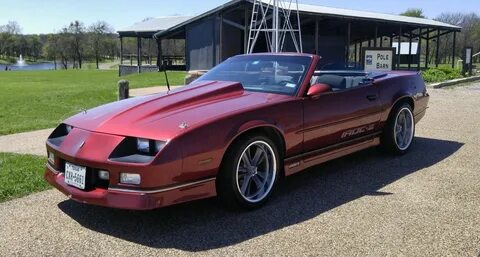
(340, 116)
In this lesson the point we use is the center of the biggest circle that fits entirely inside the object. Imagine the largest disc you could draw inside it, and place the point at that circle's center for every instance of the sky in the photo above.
(47, 16)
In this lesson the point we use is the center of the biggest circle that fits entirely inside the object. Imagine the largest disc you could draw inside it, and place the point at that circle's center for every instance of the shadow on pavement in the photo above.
(203, 225)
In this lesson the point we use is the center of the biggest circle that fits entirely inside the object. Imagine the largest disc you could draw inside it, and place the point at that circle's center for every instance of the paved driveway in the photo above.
(423, 204)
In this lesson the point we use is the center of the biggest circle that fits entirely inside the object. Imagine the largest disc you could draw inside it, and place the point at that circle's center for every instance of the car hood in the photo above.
(165, 115)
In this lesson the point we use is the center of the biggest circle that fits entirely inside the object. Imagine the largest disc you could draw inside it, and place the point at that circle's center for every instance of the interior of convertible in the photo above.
(341, 80)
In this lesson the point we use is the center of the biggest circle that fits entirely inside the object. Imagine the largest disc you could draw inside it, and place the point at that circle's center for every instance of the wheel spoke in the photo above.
(258, 153)
(262, 175)
(246, 160)
(257, 181)
(242, 170)
(245, 185)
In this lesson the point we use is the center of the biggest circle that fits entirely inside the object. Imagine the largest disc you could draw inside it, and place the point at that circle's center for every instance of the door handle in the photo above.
(372, 97)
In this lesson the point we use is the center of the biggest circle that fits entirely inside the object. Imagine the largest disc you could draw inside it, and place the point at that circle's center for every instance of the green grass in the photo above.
(31, 100)
(21, 175)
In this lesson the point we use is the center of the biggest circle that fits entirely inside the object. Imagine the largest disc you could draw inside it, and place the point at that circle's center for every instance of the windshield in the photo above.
(265, 73)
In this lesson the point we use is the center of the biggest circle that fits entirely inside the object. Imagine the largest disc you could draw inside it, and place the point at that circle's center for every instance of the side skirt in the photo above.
(300, 162)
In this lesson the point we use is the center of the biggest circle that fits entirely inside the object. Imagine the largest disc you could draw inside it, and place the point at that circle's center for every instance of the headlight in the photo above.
(149, 146)
(143, 145)
(130, 178)
(68, 128)
(136, 150)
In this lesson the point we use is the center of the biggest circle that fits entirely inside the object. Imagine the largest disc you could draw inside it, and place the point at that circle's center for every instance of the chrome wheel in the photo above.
(404, 128)
(256, 171)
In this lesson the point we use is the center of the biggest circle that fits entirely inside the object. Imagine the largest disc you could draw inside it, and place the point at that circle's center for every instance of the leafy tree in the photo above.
(35, 47)
(413, 12)
(51, 48)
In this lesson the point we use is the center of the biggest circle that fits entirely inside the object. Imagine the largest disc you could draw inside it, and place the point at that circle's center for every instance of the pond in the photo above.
(30, 67)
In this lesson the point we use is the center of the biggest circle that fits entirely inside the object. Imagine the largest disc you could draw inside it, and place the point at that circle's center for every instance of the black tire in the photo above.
(227, 185)
(388, 139)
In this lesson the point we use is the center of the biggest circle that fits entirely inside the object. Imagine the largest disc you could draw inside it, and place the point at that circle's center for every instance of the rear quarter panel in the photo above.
(398, 86)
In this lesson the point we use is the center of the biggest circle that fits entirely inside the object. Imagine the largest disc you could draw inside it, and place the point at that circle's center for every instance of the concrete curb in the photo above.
(454, 82)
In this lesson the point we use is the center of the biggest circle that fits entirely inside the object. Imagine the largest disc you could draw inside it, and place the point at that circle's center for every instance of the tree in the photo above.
(52, 48)
(76, 33)
(35, 46)
(99, 34)
(469, 36)
(413, 12)
(12, 28)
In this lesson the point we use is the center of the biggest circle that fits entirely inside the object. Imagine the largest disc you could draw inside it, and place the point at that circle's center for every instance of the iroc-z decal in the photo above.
(356, 131)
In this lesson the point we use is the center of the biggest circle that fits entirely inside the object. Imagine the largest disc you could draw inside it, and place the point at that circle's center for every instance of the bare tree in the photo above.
(99, 33)
(12, 27)
(76, 31)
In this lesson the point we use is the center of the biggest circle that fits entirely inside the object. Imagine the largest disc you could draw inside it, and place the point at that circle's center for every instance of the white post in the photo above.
(275, 27)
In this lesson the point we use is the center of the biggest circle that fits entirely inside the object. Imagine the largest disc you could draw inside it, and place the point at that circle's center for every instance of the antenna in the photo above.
(166, 76)
(280, 11)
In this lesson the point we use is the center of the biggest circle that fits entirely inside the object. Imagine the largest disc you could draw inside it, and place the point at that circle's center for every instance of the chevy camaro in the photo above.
(232, 133)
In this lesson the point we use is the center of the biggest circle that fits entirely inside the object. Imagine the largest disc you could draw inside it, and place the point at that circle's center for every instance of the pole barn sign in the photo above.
(375, 58)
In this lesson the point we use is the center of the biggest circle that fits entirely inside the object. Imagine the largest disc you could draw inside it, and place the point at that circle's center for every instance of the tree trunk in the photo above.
(96, 60)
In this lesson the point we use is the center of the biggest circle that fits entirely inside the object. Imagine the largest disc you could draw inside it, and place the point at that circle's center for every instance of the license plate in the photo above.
(75, 175)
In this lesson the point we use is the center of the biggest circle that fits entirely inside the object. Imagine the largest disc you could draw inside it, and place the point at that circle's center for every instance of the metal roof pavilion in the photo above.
(331, 11)
(149, 27)
(338, 35)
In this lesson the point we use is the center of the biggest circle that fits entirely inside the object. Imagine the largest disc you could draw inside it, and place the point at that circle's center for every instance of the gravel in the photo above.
(425, 203)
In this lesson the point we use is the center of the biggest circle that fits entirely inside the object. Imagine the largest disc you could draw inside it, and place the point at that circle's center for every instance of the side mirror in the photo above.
(318, 89)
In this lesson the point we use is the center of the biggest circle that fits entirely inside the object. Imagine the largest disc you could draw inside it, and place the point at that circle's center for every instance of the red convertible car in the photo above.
(232, 133)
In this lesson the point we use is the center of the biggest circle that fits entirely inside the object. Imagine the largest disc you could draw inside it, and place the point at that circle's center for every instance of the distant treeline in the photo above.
(70, 47)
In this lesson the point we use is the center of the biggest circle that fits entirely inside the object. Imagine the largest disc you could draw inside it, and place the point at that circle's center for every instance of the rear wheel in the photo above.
(400, 130)
(249, 172)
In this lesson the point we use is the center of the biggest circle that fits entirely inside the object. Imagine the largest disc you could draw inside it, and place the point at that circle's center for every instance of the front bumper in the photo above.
(133, 199)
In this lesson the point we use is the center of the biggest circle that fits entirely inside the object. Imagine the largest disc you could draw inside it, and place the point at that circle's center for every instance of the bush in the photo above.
(440, 74)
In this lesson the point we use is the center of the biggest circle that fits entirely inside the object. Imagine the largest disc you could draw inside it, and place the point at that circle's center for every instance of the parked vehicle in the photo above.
(232, 133)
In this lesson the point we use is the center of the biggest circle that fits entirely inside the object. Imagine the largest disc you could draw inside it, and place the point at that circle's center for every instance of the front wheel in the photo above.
(400, 130)
(249, 172)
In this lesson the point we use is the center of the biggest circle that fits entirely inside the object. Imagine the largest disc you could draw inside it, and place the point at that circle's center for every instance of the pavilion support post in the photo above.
(437, 54)
(159, 54)
(139, 54)
(149, 51)
(245, 30)
(317, 23)
(410, 50)
(121, 50)
(419, 49)
(454, 48)
(399, 48)
(376, 36)
(356, 57)
(347, 45)
(220, 37)
(427, 54)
